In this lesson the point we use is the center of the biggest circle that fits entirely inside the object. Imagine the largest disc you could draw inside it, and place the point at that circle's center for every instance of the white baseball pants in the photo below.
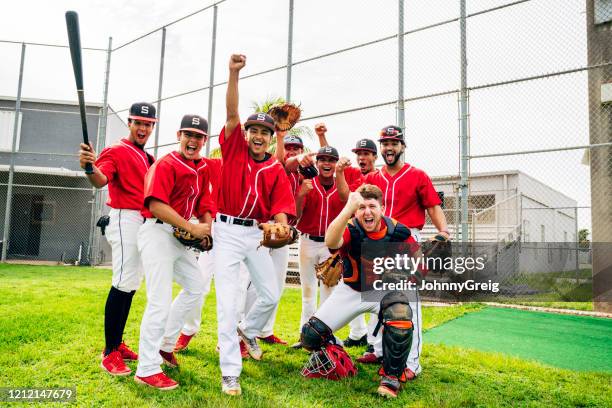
(164, 259)
(122, 235)
(311, 253)
(280, 259)
(235, 244)
(345, 304)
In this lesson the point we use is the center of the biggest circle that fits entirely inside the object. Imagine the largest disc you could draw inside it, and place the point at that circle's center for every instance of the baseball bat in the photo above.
(74, 40)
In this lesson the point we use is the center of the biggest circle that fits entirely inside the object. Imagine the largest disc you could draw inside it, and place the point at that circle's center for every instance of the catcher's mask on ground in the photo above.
(369, 214)
(259, 138)
(331, 362)
(391, 151)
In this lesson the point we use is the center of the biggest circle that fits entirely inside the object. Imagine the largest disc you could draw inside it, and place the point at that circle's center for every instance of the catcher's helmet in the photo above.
(261, 119)
(331, 362)
(391, 132)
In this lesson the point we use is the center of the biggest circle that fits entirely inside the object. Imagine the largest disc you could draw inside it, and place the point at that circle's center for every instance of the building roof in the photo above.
(52, 101)
(50, 171)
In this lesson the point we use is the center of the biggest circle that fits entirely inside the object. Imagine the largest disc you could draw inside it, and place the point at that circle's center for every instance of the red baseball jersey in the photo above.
(320, 208)
(182, 184)
(295, 180)
(353, 177)
(124, 164)
(214, 177)
(252, 189)
(406, 195)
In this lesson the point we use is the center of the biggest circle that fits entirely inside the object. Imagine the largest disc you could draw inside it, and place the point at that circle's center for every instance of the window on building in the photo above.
(43, 212)
(7, 121)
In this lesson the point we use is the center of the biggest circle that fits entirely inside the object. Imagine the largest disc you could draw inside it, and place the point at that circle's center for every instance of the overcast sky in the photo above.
(528, 39)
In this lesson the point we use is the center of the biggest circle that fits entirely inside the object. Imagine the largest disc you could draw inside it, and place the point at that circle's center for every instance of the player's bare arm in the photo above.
(281, 218)
(305, 188)
(88, 155)
(237, 62)
(341, 184)
(280, 146)
(166, 213)
(333, 235)
(304, 160)
(438, 219)
(321, 130)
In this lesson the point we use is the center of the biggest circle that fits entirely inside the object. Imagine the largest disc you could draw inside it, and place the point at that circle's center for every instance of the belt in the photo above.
(157, 220)
(245, 222)
(314, 238)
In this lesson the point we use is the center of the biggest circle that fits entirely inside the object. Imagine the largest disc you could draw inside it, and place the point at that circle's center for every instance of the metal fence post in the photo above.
(289, 52)
(400, 66)
(463, 128)
(159, 88)
(212, 78)
(96, 206)
(9, 188)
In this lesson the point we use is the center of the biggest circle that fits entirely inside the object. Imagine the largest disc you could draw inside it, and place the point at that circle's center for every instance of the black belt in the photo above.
(237, 221)
(157, 221)
(315, 238)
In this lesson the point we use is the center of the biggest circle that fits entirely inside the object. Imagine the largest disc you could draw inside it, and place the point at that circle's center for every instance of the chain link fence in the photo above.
(505, 104)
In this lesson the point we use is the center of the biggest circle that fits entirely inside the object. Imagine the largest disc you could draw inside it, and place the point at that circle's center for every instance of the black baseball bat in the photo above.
(74, 40)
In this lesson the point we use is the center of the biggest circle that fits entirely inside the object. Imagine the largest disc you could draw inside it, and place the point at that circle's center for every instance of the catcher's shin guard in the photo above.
(315, 334)
(397, 333)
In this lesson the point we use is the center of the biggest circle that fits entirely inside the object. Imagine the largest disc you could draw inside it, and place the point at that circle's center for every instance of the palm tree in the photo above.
(302, 131)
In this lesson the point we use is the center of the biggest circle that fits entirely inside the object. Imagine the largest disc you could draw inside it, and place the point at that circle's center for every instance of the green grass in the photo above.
(51, 334)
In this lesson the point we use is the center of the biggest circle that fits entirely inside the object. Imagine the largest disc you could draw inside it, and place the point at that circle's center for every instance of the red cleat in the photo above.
(169, 359)
(160, 381)
(114, 365)
(369, 358)
(126, 353)
(272, 339)
(409, 375)
(244, 352)
(182, 342)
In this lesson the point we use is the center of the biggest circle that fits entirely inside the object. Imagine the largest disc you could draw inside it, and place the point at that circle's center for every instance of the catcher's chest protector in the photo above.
(353, 275)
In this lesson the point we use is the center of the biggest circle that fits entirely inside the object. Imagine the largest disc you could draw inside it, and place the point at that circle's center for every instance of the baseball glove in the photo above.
(276, 235)
(308, 172)
(285, 115)
(330, 271)
(185, 238)
(436, 251)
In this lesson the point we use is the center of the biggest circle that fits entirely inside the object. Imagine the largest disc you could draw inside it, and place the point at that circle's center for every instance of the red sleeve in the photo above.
(282, 198)
(106, 163)
(427, 193)
(237, 143)
(159, 181)
(346, 239)
(205, 200)
(354, 178)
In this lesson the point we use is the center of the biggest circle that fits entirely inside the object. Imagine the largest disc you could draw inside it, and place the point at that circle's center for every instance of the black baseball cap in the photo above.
(142, 111)
(367, 145)
(293, 140)
(261, 119)
(391, 132)
(328, 151)
(194, 123)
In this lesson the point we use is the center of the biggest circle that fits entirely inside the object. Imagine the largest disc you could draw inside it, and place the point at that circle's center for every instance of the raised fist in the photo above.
(342, 164)
(306, 187)
(320, 129)
(237, 62)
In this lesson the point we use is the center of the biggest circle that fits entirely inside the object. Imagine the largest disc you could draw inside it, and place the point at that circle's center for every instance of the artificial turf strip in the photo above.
(574, 342)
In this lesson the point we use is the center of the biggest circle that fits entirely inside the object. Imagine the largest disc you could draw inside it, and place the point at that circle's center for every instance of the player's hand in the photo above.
(86, 155)
(320, 129)
(342, 164)
(237, 62)
(306, 187)
(306, 159)
(354, 201)
(199, 230)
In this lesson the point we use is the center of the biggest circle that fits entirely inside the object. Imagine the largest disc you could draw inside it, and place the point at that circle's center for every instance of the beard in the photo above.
(393, 161)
